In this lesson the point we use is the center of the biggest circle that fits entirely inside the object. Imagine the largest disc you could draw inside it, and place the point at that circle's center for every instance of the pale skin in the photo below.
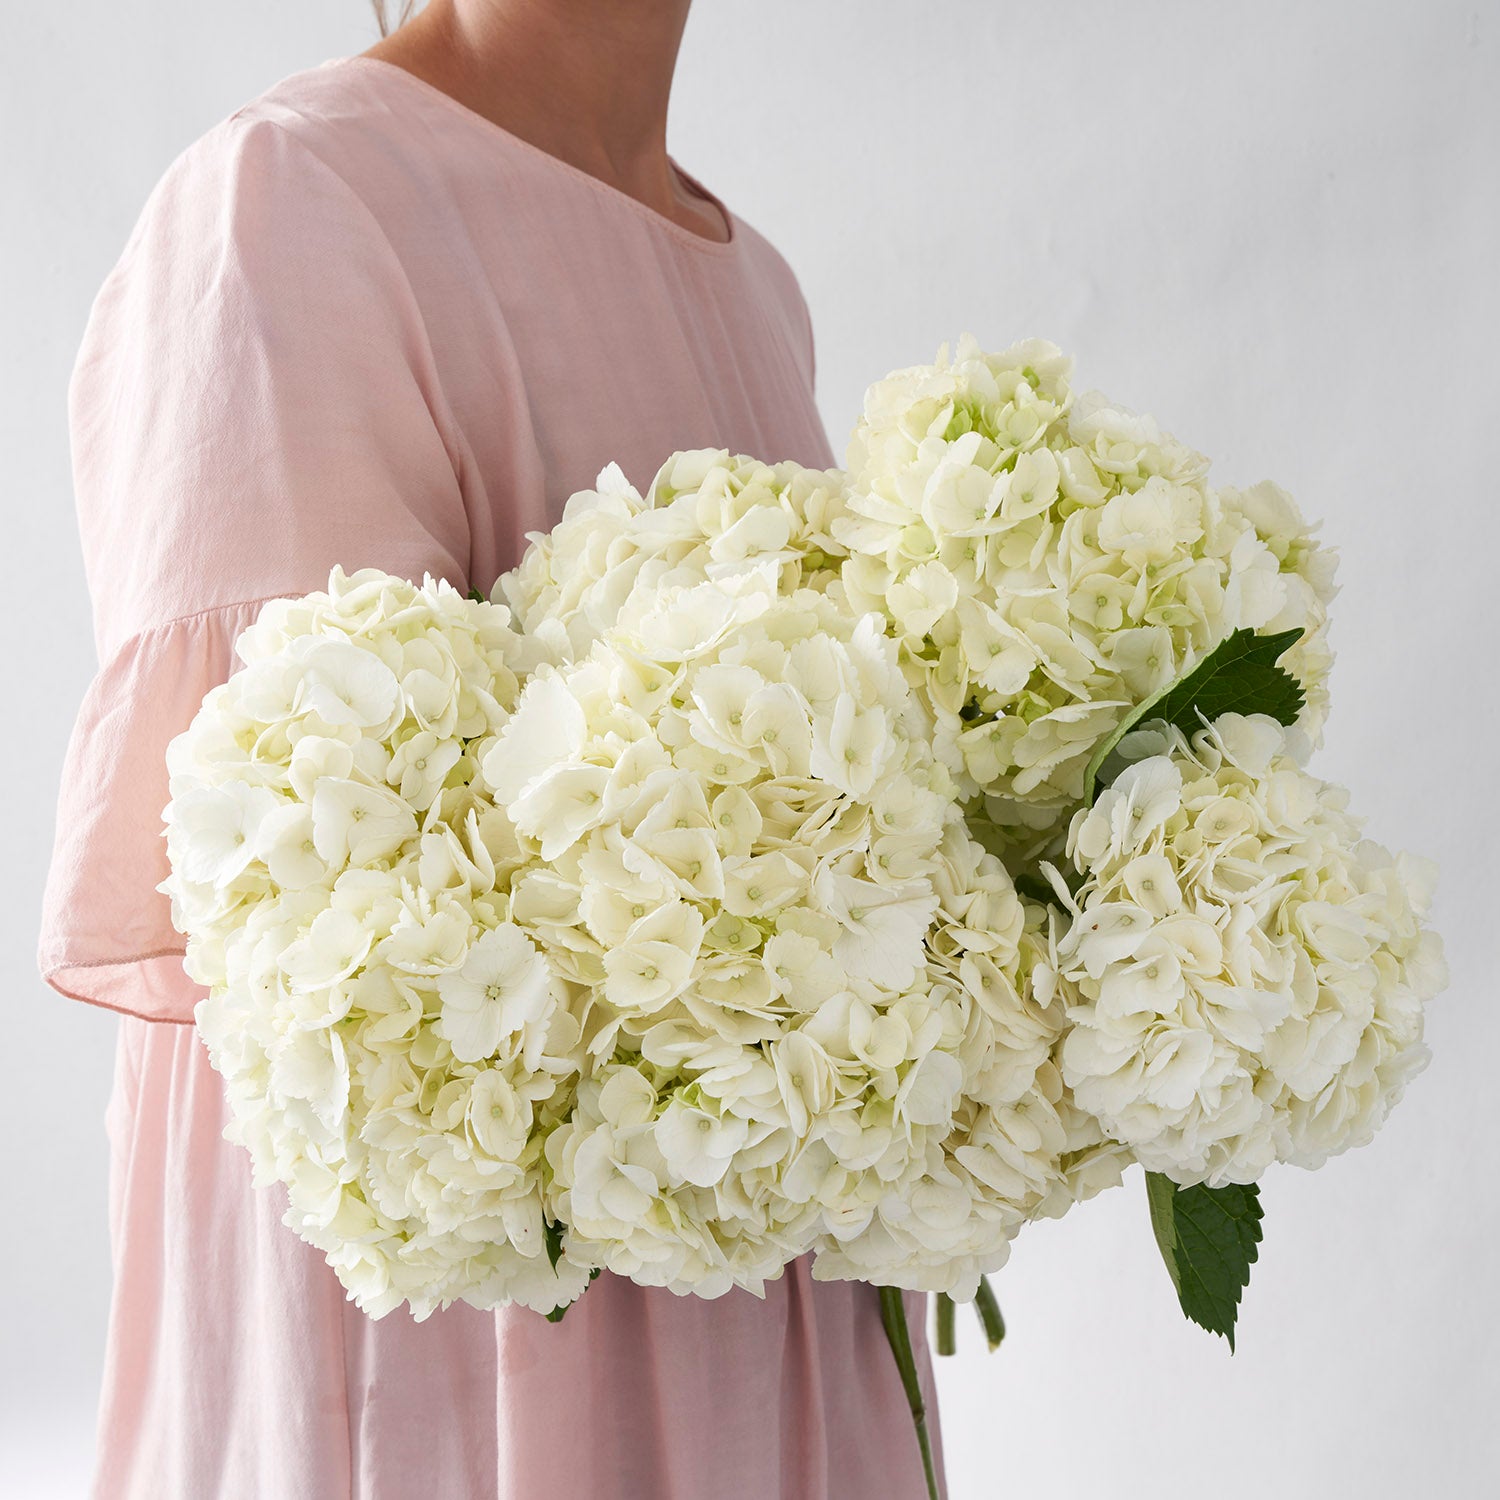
(587, 81)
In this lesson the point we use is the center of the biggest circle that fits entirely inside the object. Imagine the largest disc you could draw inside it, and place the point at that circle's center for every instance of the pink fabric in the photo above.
(357, 323)
(236, 1369)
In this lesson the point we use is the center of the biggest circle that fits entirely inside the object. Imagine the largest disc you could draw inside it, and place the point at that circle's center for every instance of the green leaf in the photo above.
(1238, 676)
(556, 1315)
(1208, 1238)
(476, 596)
(1034, 888)
(553, 1235)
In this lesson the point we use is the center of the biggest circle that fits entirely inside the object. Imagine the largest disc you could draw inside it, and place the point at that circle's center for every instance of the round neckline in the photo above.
(679, 232)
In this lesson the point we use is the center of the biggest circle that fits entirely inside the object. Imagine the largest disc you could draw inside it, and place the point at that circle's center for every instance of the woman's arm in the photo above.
(254, 400)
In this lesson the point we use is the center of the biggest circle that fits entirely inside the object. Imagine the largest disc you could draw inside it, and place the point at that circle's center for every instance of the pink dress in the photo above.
(358, 323)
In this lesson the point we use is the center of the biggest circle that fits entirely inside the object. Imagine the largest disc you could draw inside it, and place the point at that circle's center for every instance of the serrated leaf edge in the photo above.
(1234, 647)
(1161, 1197)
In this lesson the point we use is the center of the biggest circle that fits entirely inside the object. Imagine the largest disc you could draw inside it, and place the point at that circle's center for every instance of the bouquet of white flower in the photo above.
(794, 862)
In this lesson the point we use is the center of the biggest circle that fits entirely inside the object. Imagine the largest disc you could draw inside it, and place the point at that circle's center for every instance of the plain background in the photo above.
(1275, 226)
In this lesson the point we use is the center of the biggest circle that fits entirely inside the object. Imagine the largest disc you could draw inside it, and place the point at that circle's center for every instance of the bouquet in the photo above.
(857, 864)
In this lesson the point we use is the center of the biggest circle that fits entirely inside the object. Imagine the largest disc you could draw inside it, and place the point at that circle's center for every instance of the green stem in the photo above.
(893, 1317)
(947, 1338)
(989, 1313)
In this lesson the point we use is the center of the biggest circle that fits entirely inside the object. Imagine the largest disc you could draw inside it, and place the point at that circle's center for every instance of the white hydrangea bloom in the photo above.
(395, 1046)
(708, 513)
(1246, 974)
(732, 835)
(1019, 1147)
(1048, 563)
(729, 823)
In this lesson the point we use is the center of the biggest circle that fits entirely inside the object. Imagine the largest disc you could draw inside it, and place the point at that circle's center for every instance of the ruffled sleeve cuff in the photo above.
(107, 936)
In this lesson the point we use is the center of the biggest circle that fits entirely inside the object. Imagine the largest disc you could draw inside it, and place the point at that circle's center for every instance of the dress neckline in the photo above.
(377, 66)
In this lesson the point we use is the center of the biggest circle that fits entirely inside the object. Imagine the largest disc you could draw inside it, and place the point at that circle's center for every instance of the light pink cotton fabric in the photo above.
(357, 323)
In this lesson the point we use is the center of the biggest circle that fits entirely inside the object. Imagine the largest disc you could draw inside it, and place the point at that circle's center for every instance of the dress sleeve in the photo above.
(253, 402)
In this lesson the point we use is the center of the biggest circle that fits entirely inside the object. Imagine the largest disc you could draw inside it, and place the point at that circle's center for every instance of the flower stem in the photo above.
(989, 1313)
(947, 1340)
(893, 1317)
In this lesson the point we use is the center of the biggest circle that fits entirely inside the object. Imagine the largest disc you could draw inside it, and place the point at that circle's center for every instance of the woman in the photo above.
(391, 313)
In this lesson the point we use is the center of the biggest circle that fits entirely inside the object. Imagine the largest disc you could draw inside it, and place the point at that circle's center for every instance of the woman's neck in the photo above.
(588, 81)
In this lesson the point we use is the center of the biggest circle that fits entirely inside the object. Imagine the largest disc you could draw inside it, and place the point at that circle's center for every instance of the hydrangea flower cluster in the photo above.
(682, 946)
(730, 825)
(1050, 562)
(394, 1046)
(643, 919)
(1019, 1147)
(707, 514)
(1245, 974)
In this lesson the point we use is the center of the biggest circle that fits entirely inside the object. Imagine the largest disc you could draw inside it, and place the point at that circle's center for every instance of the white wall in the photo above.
(1273, 225)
